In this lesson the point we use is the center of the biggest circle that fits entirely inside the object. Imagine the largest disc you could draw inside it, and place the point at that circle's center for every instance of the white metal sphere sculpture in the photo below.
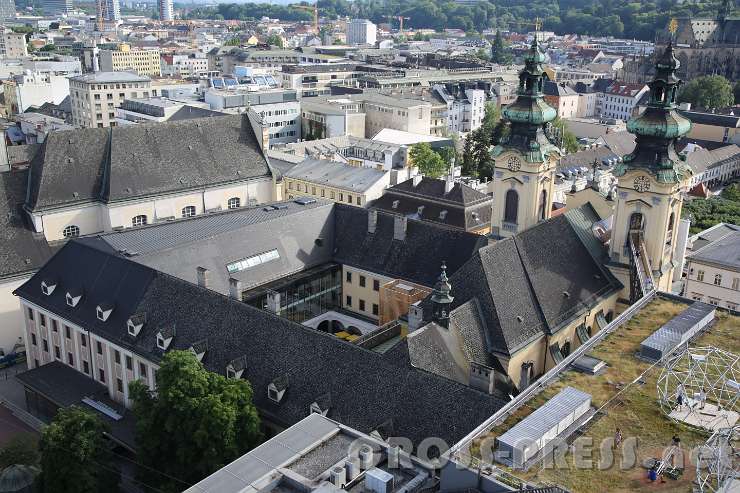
(696, 372)
(718, 461)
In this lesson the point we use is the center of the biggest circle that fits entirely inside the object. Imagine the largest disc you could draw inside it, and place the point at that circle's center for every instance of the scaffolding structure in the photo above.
(718, 462)
(700, 386)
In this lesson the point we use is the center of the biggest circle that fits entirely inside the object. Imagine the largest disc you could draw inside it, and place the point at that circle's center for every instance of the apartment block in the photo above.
(143, 62)
(95, 97)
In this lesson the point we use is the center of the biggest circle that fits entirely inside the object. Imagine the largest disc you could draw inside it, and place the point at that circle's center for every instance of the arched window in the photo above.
(511, 206)
(188, 211)
(139, 220)
(71, 231)
(637, 222)
(669, 234)
(543, 205)
(234, 203)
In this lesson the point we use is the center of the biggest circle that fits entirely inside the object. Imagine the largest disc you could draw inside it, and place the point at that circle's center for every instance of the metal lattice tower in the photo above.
(691, 369)
(718, 461)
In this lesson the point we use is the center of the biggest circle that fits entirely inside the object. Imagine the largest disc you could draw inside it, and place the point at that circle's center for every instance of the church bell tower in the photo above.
(651, 182)
(525, 159)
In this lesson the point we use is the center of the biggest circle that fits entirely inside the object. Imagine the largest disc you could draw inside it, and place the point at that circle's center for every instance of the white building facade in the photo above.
(361, 32)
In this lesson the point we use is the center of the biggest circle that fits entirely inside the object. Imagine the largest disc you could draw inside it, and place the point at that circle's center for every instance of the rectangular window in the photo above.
(99, 347)
(362, 281)
(375, 309)
(54, 325)
(142, 370)
(67, 332)
(57, 354)
(736, 284)
(349, 302)
(718, 280)
(129, 363)
(349, 277)
(42, 320)
(117, 357)
(83, 340)
(86, 367)
(376, 285)
(714, 301)
(341, 197)
(70, 359)
(362, 305)
(33, 339)
(46, 345)
(700, 276)
(119, 384)
(101, 375)
(30, 314)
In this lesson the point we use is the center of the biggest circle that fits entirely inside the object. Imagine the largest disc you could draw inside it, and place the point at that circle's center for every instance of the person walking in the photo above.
(617, 437)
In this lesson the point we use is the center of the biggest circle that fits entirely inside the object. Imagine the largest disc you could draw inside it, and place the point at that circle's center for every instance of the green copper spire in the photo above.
(441, 298)
(529, 114)
(657, 129)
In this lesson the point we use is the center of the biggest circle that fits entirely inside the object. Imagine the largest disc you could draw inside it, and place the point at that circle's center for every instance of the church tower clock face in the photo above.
(642, 184)
(513, 163)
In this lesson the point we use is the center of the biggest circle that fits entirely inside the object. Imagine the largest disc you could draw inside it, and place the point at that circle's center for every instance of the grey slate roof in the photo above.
(212, 241)
(417, 258)
(520, 285)
(724, 251)
(127, 162)
(463, 207)
(366, 388)
(333, 174)
(21, 251)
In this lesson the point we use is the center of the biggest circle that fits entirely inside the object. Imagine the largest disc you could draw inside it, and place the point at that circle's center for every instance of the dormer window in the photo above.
(103, 311)
(199, 349)
(135, 323)
(420, 210)
(236, 367)
(165, 336)
(276, 388)
(48, 286)
(395, 204)
(321, 405)
(443, 215)
(73, 297)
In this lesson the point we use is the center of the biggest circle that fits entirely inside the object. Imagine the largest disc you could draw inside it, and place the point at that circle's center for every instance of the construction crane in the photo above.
(313, 9)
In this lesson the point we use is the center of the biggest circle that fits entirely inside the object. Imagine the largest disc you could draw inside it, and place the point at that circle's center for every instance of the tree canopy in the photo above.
(429, 162)
(500, 52)
(275, 40)
(75, 457)
(707, 92)
(625, 18)
(196, 422)
(706, 213)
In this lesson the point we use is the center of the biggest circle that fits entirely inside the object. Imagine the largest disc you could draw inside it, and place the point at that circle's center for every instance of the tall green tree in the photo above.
(196, 422)
(275, 40)
(21, 449)
(708, 92)
(570, 141)
(75, 457)
(500, 52)
(736, 92)
(429, 162)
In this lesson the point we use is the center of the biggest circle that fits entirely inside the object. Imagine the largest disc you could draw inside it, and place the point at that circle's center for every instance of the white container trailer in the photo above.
(525, 439)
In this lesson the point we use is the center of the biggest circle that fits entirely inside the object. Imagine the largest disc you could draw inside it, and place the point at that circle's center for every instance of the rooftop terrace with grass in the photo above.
(624, 395)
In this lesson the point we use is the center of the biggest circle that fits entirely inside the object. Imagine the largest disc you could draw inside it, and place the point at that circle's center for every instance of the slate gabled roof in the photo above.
(366, 388)
(527, 286)
(416, 259)
(21, 251)
(121, 163)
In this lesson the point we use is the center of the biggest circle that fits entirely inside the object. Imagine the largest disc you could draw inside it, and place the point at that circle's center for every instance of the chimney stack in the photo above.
(203, 277)
(400, 224)
(449, 181)
(372, 220)
(235, 289)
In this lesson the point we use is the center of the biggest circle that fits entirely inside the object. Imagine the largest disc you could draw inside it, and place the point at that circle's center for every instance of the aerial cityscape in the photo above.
(471, 246)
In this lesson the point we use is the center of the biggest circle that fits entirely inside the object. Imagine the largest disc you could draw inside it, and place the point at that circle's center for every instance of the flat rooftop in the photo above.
(623, 402)
(108, 77)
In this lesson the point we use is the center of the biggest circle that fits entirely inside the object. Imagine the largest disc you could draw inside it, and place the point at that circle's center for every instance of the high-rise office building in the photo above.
(7, 9)
(51, 7)
(111, 10)
(166, 10)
